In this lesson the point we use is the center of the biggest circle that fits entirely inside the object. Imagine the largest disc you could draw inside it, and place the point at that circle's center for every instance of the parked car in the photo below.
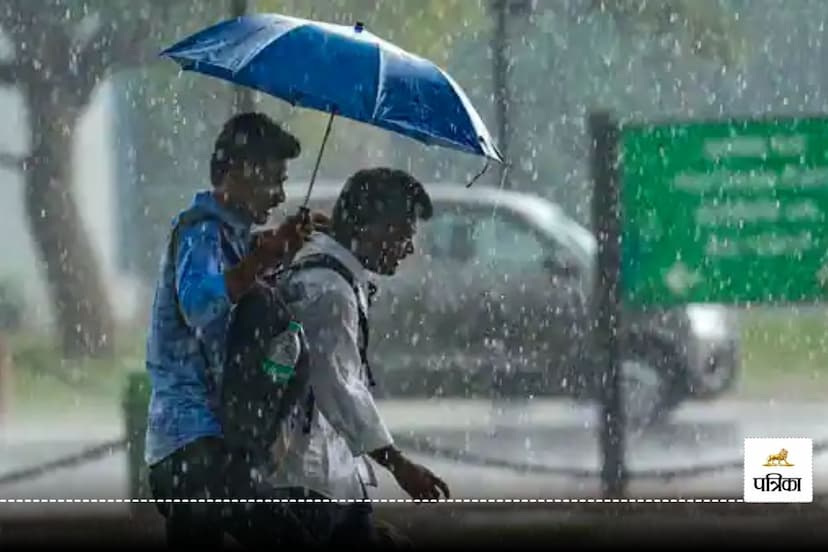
(497, 303)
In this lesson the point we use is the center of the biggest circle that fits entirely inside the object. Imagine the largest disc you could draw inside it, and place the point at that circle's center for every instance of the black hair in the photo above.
(376, 195)
(250, 138)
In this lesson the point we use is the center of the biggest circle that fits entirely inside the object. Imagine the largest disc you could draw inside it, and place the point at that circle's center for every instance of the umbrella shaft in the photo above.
(319, 158)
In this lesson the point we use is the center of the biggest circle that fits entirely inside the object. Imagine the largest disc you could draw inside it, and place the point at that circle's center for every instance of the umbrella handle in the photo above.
(319, 159)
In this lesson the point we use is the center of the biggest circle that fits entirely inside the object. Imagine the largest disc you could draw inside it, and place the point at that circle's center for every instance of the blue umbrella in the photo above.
(342, 70)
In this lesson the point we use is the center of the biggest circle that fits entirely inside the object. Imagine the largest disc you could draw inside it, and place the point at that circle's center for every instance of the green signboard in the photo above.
(733, 212)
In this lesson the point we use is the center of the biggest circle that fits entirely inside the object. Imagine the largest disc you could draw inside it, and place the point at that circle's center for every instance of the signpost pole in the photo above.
(606, 220)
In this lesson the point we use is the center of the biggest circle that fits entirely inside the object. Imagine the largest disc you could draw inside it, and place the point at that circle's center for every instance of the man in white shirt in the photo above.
(323, 448)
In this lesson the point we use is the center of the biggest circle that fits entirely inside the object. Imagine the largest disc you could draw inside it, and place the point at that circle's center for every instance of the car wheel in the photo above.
(646, 390)
(716, 375)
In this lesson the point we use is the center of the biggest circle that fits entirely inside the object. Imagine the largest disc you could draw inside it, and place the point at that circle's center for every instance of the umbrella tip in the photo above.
(359, 26)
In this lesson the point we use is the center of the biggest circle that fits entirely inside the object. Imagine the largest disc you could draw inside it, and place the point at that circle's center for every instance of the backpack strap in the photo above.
(332, 263)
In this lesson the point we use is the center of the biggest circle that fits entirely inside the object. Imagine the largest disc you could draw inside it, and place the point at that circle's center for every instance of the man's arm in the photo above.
(330, 323)
(417, 480)
(238, 279)
(331, 326)
(199, 274)
(206, 289)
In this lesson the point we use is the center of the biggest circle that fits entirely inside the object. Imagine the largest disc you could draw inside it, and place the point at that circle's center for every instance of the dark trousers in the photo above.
(333, 522)
(205, 469)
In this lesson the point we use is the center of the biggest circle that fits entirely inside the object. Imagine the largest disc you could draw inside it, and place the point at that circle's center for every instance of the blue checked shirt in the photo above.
(185, 349)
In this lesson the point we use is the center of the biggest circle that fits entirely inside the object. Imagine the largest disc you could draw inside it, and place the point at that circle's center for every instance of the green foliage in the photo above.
(45, 383)
(708, 28)
(425, 27)
(633, 58)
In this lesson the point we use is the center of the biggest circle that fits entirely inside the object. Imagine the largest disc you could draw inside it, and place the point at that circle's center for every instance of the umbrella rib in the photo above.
(380, 83)
(251, 55)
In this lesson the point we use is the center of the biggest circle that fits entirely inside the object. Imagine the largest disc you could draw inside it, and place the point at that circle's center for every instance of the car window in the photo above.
(503, 241)
(448, 235)
(476, 237)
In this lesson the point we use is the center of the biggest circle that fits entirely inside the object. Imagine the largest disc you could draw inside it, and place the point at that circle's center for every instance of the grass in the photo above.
(44, 383)
(785, 352)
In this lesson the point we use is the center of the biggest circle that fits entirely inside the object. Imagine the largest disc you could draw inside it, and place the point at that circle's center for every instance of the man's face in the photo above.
(385, 245)
(259, 187)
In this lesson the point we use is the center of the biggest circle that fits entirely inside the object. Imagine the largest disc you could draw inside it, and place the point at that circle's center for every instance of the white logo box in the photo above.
(778, 469)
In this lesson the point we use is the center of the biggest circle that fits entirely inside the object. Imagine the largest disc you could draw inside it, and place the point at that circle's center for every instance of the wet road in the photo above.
(483, 450)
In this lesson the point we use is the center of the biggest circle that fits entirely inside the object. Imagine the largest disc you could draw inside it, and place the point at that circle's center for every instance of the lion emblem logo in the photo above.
(778, 459)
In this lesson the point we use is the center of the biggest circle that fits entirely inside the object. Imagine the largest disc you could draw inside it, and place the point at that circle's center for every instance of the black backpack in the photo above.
(253, 405)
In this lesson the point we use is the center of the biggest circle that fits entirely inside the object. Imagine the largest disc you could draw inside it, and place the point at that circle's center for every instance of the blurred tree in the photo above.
(636, 57)
(439, 30)
(62, 51)
(165, 123)
(707, 28)
(426, 27)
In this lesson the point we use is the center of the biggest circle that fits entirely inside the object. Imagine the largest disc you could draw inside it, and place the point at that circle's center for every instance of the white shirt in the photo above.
(346, 423)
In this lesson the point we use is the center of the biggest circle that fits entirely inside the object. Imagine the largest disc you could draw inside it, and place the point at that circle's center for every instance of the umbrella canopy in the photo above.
(342, 70)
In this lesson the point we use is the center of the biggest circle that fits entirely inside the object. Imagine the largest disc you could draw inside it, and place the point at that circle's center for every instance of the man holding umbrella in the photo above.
(210, 264)
(302, 61)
